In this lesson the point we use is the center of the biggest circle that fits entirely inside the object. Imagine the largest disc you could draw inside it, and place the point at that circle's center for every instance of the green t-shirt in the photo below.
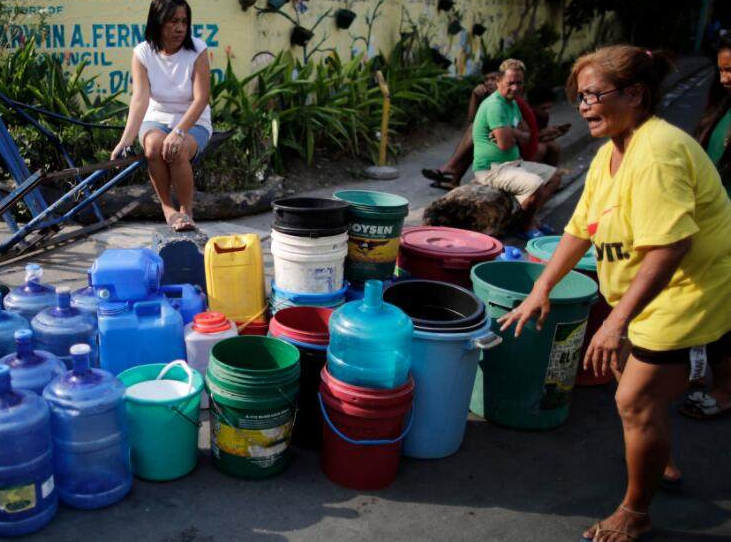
(494, 112)
(716, 145)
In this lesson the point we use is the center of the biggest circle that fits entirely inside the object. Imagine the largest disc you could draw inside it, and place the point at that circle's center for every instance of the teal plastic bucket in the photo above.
(376, 220)
(163, 434)
(526, 383)
(253, 383)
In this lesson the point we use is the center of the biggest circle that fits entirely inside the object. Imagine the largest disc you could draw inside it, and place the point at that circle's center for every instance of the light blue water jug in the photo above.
(10, 322)
(126, 274)
(370, 341)
(29, 498)
(91, 451)
(132, 334)
(31, 369)
(58, 328)
(85, 299)
(33, 296)
(187, 299)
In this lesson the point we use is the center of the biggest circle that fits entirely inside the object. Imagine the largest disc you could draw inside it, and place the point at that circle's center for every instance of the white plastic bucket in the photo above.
(309, 266)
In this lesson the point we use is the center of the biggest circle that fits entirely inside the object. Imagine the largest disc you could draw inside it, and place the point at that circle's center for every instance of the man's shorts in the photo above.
(518, 178)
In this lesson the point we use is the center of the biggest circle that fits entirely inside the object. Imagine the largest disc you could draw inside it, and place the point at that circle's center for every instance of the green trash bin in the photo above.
(526, 383)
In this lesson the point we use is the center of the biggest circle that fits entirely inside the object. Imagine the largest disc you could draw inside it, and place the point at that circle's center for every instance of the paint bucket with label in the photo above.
(309, 265)
(162, 404)
(541, 250)
(376, 219)
(253, 384)
(526, 382)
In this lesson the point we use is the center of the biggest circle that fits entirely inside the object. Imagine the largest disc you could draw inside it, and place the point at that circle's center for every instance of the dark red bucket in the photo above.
(253, 328)
(307, 329)
(444, 254)
(363, 432)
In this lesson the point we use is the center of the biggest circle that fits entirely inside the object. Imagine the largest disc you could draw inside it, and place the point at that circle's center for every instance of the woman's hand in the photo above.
(118, 151)
(171, 146)
(537, 303)
(605, 349)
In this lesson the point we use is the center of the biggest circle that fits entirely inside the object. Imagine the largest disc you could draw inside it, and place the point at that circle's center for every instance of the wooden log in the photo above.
(474, 207)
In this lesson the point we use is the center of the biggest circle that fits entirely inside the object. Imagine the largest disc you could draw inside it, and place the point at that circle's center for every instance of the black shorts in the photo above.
(715, 352)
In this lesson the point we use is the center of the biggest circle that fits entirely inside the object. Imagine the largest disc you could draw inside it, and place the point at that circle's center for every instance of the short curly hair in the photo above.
(511, 64)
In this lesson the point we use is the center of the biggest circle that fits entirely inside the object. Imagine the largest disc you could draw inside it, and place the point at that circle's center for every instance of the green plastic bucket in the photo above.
(163, 434)
(526, 383)
(253, 383)
(376, 219)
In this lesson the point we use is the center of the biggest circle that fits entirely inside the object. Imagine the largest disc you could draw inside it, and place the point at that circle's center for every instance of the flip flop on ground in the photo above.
(180, 222)
(640, 537)
(440, 178)
(702, 406)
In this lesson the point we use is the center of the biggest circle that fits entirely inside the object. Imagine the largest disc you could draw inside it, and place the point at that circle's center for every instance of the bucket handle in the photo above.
(349, 440)
(183, 365)
(320, 347)
(187, 418)
(487, 341)
(241, 327)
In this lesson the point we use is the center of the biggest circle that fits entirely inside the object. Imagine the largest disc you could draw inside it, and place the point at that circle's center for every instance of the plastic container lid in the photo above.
(444, 243)
(372, 201)
(544, 247)
(210, 322)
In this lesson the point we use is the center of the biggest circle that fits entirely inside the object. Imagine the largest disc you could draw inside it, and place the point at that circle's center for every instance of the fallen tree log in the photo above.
(474, 207)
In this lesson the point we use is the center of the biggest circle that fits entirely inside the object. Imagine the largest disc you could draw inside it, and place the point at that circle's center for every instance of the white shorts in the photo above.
(518, 178)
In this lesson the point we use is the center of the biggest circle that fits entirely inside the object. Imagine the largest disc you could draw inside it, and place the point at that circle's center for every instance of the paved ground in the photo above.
(502, 486)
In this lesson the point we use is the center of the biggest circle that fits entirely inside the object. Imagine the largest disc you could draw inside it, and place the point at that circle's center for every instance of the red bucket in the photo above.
(444, 254)
(253, 328)
(307, 325)
(599, 312)
(363, 432)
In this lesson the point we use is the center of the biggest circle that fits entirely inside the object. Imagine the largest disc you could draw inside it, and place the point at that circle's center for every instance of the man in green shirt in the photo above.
(497, 131)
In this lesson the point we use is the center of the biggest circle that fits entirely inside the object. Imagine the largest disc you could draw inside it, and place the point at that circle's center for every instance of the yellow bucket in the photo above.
(235, 278)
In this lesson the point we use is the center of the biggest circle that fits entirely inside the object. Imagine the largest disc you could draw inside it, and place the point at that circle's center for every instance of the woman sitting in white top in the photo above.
(169, 108)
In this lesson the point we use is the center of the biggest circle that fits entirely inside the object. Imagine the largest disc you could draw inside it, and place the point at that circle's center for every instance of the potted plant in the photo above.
(478, 29)
(300, 36)
(344, 18)
(439, 59)
(276, 4)
(445, 5)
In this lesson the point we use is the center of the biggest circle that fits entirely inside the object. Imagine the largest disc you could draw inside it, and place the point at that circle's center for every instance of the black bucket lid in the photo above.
(310, 217)
(436, 306)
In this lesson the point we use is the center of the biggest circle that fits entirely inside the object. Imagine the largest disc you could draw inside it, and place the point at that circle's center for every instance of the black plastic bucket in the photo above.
(437, 306)
(310, 217)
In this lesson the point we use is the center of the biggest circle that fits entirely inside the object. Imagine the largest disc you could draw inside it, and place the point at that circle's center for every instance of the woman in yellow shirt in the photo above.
(657, 214)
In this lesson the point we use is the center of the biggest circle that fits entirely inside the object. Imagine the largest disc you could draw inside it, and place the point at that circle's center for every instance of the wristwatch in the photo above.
(180, 132)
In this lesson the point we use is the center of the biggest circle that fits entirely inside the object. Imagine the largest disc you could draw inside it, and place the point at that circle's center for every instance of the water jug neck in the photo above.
(33, 273)
(5, 387)
(63, 299)
(24, 345)
(81, 355)
(373, 294)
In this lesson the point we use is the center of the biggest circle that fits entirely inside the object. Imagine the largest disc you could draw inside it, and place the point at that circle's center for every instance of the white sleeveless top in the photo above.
(171, 84)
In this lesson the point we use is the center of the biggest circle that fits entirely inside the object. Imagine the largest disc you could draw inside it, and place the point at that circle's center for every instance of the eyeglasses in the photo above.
(591, 98)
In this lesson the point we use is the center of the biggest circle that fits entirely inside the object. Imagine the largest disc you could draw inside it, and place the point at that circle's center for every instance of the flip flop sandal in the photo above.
(547, 228)
(180, 222)
(671, 486)
(533, 233)
(701, 406)
(438, 176)
(625, 534)
(442, 186)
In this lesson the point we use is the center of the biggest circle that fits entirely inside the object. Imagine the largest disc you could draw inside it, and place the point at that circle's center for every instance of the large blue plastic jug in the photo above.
(370, 341)
(91, 450)
(31, 369)
(58, 328)
(33, 296)
(126, 274)
(10, 322)
(85, 299)
(28, 498)
(187, 299)
(132, 334)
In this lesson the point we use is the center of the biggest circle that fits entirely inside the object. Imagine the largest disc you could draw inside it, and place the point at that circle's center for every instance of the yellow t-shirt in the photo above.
(665, 190)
